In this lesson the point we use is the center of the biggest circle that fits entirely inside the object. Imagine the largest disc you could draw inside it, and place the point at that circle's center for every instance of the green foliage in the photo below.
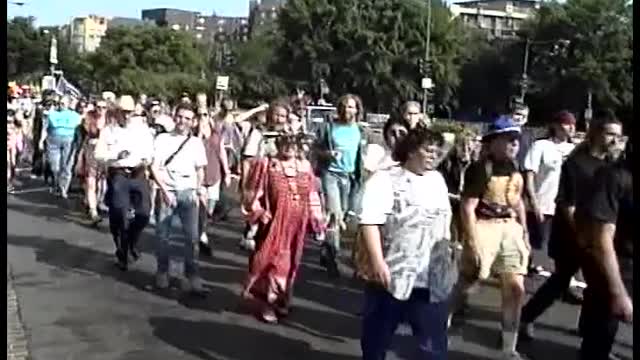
(27, 49)
(251, 76)
(369, 47)
(156, 61)
(598, 58)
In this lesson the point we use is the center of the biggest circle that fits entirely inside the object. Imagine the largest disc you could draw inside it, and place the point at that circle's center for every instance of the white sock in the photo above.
(509, 341)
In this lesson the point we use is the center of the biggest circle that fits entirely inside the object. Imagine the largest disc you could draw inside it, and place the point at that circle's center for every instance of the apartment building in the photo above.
(263, 14)
(85, 33)
(500, 19)
(212, 28)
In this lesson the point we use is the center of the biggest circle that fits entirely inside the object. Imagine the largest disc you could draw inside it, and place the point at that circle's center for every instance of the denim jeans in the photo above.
(60, 161)
(337, 189)
(383, 313)
(187, 210)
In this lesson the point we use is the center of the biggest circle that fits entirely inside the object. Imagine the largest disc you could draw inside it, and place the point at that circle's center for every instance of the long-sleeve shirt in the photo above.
(136, 139)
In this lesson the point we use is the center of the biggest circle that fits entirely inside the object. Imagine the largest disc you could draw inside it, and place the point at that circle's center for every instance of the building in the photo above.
(227, 28)
(173, 18)
(212, 28)
(85, 33)
(127, 22)
(263, 15)
(498, 18)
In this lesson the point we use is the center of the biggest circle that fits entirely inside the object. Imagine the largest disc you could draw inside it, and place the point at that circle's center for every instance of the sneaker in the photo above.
(204, 249)
(121, 260)
(64, 194)
(527, 332)
(162, 281)
(192, 284)
(204, 238)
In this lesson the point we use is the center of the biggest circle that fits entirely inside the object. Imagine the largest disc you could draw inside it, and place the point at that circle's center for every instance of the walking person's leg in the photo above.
(54, 162)
(511, 263)
(547, 294)
(598, 327)
(119, 204)
(332, 190)
(429, 325)
(141, 204)
(67, 159)
(188, 212)
(91, 195)
(381, 316)
(165, 215)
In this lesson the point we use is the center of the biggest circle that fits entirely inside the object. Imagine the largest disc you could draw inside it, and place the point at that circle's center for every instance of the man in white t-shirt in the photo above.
(178, 169)
(542, 166)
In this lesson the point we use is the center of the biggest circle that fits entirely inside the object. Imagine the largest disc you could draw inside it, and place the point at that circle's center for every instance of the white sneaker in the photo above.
(577, 284)
(162, 280)
(204, 238)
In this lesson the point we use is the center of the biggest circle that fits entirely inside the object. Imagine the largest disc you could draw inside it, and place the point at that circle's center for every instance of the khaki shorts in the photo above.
(501, 247)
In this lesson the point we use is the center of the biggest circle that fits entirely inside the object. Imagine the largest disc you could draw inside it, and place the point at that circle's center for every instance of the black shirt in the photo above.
(576, 180)
(611, 201)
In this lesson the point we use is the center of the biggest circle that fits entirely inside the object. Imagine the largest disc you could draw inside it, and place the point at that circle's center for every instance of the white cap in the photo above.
(126, 103)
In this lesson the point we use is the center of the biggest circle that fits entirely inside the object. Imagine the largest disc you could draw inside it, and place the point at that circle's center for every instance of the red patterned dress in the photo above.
(285, 205)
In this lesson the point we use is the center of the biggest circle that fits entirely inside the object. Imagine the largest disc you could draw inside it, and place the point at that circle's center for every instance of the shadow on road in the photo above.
(211, 340)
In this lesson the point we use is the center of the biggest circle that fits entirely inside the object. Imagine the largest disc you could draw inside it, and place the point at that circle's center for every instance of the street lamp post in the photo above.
(426, 57)
(524, 80)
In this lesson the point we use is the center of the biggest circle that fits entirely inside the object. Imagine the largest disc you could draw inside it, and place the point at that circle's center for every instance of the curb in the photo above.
(17, 343)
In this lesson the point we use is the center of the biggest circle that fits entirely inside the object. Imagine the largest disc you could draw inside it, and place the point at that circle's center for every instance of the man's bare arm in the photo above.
(604, 255)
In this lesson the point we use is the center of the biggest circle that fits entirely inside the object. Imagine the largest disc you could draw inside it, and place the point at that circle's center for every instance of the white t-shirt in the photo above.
(134, 138)
(416, 214)
(545, 159)
(181, 173)
(258, 146)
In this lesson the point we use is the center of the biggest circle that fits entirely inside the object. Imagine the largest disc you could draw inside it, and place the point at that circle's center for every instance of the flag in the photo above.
(66, 88)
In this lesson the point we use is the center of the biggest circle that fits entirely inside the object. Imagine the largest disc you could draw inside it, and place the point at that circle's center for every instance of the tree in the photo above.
(598, 57)
(369, 47)
(251, 74)
(27, 49)
(158, 61)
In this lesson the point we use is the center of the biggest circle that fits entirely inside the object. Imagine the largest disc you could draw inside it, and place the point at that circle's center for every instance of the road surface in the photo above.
(72, 303)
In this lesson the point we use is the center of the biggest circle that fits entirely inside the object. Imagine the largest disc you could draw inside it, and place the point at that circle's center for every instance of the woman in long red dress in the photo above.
(281, 198)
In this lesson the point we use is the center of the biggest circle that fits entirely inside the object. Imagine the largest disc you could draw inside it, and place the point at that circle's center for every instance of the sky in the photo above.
(59, 12)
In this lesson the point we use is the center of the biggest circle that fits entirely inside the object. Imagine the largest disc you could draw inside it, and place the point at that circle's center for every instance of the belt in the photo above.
(130, 172)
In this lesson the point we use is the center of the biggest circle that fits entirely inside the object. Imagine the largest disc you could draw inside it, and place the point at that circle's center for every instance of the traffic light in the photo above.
(422, 66)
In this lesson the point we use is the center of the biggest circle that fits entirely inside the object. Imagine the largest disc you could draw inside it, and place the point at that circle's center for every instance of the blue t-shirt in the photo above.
(63, 122)
(346, 140)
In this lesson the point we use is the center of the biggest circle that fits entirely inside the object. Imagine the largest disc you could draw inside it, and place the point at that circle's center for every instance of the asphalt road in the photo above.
(75, 304)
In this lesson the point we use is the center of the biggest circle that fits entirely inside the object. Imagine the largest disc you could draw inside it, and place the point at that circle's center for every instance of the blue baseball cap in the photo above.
(502, 125)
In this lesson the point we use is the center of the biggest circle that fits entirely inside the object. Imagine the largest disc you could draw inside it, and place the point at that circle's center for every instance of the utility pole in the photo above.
(425, 93)
(525, 65)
